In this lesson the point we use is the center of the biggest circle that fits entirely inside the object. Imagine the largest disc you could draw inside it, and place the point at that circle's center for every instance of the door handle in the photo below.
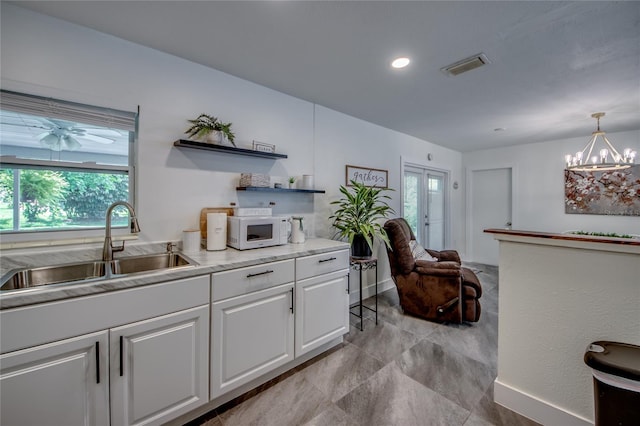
(291, 307)
(121, 356)
(260, 273)
(98, 362)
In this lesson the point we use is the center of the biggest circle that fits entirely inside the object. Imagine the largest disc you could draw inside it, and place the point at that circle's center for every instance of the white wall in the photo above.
(557, 297)
(49, 57)
(539, 184)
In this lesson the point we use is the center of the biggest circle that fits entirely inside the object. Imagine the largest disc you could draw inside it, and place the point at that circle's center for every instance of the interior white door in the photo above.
(490, 208)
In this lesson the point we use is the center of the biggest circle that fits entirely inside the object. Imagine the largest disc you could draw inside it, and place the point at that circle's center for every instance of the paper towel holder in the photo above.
(216, 231)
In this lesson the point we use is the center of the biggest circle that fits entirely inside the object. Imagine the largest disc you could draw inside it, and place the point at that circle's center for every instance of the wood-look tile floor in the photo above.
(403, 371)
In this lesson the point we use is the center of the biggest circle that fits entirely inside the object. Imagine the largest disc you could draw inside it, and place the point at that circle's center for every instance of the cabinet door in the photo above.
(159, 367)
(60, 383)
(322, 313)
(251, 335)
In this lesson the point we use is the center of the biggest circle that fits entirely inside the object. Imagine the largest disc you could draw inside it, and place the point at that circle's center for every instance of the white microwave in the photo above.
(249, 232)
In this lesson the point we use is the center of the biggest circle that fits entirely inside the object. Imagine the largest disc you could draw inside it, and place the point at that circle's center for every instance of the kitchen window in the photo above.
(62, 164)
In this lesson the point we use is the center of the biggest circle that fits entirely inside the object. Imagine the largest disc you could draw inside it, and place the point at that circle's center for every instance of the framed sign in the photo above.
(263, 147)
(367, 176)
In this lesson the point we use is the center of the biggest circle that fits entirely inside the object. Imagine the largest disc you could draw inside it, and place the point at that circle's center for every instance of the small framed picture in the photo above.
(263, 147)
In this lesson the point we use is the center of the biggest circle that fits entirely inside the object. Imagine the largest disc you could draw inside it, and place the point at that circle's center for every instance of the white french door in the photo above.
(425, 205)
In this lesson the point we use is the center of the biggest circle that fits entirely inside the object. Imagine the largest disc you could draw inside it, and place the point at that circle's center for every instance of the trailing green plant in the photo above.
(602, 234)
(205, 124)
(359, 212)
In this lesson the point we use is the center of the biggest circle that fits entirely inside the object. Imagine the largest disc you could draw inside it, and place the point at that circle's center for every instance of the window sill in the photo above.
(63, 242)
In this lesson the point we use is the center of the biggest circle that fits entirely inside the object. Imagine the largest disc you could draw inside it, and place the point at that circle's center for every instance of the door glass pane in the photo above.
(412, 199)
(435, 196)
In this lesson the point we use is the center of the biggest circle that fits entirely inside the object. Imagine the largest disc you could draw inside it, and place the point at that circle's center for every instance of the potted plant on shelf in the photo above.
(210, 129)
(292, 180)
(358, 215)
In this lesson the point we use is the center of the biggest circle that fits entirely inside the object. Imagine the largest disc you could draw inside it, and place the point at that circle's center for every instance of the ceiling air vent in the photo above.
(466, 64)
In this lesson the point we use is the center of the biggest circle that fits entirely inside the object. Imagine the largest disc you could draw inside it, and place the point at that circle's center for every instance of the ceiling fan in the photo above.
(63, 134)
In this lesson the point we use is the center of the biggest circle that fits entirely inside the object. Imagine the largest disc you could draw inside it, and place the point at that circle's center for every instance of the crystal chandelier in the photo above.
(609, 158)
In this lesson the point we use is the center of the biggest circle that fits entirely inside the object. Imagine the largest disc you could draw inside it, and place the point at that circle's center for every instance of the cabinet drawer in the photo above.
(37, 324)
(253, 278)
(318, 264)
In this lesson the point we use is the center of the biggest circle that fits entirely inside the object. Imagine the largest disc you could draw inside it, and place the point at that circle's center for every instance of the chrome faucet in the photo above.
(108, 249)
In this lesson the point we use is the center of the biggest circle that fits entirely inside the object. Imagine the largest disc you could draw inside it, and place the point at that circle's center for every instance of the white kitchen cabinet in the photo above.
(322, 310)
(322, 299)
(54, 381)
(180, 344)
(159, 367)
(60, 383)
(251, 335)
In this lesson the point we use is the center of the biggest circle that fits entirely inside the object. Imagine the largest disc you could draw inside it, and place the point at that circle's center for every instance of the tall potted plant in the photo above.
(358, 214)
(210, 128)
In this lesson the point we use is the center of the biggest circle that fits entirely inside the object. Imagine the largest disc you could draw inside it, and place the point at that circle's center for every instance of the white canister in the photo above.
(307, 181)
(191, 240)
(216, 231)
(297, 230)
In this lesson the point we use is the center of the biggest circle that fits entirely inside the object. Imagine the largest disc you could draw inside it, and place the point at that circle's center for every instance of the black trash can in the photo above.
(616, 382)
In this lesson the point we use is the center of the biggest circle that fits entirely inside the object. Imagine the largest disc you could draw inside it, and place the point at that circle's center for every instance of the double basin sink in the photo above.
(93, 270)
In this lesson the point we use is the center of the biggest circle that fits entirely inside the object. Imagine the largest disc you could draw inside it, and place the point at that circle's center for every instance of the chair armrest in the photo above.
(445, 255)
(470, 279)
(426, 267)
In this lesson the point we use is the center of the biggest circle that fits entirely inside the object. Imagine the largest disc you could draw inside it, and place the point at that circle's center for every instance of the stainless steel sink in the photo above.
(89, 271)
(152, 262)
(25, 278)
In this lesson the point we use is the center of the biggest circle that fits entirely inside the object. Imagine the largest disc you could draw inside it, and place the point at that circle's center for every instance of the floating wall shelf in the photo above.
(183, 143)
(269, 189)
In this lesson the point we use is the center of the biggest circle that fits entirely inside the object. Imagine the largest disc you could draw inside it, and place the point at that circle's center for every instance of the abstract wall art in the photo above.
(612, 192)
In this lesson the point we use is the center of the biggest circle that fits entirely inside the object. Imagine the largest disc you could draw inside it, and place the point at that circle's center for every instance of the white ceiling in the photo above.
(552, 63)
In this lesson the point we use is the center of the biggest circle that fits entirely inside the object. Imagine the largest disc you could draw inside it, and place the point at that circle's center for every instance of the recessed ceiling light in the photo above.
(400, 62)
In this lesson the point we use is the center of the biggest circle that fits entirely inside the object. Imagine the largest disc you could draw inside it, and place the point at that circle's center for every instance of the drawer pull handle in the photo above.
(121, 356)
(98, 362)
(268, 271)
(327, 260)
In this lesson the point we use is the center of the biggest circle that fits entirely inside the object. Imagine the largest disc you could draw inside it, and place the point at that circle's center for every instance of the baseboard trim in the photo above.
(370, 290)
(534, 408)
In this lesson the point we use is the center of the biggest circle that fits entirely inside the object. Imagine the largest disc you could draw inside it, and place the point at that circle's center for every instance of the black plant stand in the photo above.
(360, 264)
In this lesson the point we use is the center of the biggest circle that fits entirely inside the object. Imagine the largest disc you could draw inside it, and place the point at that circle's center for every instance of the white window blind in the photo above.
(65, 110)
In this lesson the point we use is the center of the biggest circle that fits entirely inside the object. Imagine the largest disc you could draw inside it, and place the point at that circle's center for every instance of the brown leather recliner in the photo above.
(442, 290)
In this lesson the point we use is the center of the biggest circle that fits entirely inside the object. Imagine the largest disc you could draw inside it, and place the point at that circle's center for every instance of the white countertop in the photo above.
(208, 262)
